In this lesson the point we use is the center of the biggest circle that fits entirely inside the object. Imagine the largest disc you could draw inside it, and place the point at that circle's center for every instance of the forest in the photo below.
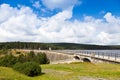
(55, 46)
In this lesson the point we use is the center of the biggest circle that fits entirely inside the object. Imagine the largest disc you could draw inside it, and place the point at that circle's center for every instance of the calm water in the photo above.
(100, 52)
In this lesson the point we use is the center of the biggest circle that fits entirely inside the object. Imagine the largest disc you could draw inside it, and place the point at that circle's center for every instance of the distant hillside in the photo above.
(55, 46)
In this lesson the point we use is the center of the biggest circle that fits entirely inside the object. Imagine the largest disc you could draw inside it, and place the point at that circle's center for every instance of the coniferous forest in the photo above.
(54, 46)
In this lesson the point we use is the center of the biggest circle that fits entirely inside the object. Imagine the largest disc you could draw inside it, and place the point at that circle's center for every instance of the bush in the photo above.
(21, 58)
(31, 56)
(4, 51)
(28, 68)
(41, 58)
(8, 60)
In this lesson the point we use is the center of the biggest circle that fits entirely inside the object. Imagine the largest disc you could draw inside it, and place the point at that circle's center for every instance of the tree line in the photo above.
(54, 46)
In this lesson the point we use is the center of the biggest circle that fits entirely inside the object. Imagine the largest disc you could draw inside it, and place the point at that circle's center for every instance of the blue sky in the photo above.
(96, 8)
(74, 21)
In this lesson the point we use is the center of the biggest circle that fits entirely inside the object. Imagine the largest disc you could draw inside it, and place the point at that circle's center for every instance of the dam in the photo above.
(69, 56)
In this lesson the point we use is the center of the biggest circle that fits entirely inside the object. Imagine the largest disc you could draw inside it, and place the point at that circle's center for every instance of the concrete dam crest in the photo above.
(56, 57)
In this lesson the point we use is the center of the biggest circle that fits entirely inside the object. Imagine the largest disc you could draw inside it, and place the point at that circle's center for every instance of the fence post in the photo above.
(115, 57)
(111, 55)
(108, 56)
(103, 55)
(98, 54)
(93, 54)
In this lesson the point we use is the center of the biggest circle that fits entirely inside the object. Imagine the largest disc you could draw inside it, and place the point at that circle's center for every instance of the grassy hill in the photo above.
(55, 46)
(76, 71)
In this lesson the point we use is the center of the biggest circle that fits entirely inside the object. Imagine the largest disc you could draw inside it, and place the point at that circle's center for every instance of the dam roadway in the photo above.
(68, 56)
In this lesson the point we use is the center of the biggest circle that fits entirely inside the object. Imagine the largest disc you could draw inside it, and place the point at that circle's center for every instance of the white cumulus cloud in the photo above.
(24, 25)
(61, 4)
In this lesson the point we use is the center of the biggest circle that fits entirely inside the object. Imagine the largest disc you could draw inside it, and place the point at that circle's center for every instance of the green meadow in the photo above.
(73, 71)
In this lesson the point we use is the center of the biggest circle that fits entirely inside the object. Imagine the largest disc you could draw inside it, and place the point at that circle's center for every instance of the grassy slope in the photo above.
(66, 72)
(10, 74)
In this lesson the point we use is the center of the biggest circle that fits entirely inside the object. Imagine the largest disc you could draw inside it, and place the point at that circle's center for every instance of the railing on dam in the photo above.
(110, 55)
(107, 56)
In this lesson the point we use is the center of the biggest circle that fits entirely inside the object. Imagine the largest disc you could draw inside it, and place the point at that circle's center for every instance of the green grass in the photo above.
(10, 74)
(74, 71)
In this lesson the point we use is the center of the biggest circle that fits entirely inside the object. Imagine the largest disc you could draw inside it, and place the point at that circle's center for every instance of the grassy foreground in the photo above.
(76, 71)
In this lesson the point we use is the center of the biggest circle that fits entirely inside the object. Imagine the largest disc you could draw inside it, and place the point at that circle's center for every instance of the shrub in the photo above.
(42, 58)
(31, 56)
(4, 51)
(18, 52)
(8, 60)
(28, 68)
(21, 58)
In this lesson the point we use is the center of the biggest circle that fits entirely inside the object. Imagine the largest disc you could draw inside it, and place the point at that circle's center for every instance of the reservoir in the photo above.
(111, 53)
